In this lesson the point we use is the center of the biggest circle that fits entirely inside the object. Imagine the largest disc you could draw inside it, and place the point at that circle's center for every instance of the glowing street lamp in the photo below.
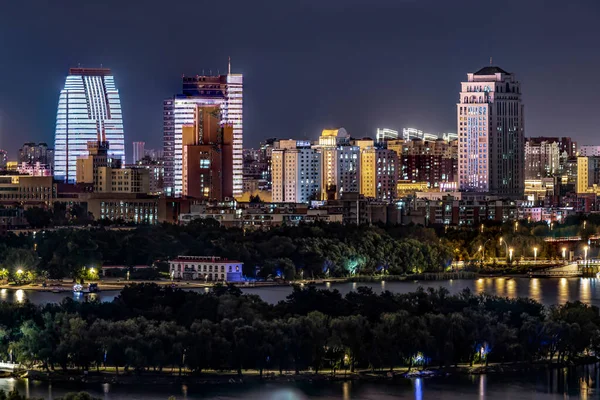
(585, 249)
(481, 228)
(510, 253)
(516, 225)
(564, 251)
(19, 271)
(534, 254)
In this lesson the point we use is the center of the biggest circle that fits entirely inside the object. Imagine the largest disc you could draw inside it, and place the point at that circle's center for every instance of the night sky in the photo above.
(308, 64)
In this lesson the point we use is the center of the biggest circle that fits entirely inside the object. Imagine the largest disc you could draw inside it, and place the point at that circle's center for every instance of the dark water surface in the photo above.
(546, 290)
(574, 383)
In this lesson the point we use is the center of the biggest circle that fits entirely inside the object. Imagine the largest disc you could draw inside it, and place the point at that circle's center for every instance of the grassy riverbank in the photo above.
(172, 376)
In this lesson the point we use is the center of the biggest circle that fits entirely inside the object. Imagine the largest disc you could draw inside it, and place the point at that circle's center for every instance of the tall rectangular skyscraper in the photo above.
(138, 151)
(491, 133)
(225, 91)
(89, 109)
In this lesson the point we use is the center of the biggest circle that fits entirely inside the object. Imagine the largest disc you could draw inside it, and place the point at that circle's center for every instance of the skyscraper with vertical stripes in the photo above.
(89, 109)
(225, 91)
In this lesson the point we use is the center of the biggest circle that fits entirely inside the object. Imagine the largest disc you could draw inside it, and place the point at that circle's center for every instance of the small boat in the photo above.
(92, 288)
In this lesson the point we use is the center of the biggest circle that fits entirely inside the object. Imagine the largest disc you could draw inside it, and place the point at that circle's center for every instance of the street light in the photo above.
(481, 228)
(535, 254)
(510, 253)
(564, 250)
(516, 225)
(19, 271)
(585, 249)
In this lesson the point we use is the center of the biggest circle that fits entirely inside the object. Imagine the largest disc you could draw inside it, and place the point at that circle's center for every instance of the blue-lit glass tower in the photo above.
(89, 109)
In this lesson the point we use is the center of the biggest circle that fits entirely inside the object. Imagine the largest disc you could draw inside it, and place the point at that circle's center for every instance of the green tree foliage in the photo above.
(151, 328)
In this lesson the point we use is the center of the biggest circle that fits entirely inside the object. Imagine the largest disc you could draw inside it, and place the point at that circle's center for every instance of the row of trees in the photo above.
(308, 251)
(15, 395)
(150, 328)
(289, 252)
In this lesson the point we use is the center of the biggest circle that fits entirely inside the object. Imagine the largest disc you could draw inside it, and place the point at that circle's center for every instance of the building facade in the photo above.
(207, 268)
(89, 109)
(207, 156)
(542, 158)
(340, 164)
(433, 162)
(138, 152)
(491, 133)
(589, 151)
(379, 173)
(224, 91)
(296, 170)
(384, 134)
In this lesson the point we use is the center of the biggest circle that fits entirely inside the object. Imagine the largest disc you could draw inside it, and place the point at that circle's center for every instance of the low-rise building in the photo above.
(207, 268)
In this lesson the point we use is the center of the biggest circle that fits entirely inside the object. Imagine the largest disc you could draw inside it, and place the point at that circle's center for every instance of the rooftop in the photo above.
(90, 71)
(491, 71)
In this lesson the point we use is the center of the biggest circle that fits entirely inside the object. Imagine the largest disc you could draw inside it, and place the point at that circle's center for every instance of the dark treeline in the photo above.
(151, 328)
(15, 395)
(304, 251)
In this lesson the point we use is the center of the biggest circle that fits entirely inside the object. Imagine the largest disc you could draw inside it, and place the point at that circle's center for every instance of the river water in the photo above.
(545, 290)
(574, 383)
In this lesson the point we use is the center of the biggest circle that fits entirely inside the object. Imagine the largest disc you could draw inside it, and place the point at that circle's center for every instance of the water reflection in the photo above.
(418, 388)
(534, 289)
(20, 296)
(346, 390)
(563, 291)
(511, 288)
(584, 290)
(567, 383)
(482, 386)
(479, 286)
(500, 287)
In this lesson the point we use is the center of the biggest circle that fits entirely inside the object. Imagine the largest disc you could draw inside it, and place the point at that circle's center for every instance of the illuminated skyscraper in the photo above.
(225, 91)
(138, 151)
(89, 109)
(491, 133)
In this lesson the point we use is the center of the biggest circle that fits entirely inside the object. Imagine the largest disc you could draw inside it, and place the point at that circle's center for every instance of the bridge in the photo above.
(569, 238)
(10, 367)
(562, 271)
(576, 268)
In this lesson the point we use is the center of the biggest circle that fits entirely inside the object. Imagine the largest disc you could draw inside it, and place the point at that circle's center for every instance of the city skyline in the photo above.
(398, 63)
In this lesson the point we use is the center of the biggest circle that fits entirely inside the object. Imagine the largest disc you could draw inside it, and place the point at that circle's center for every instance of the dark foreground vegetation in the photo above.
(15, 395)
(151, 329)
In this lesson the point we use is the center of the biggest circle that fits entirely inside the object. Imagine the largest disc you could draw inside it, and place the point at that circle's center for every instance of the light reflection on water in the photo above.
(545, 290)
(566, 383)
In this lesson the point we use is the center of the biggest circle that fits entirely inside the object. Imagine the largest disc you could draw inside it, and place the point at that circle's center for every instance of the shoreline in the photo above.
(253, 377)
(109, 286)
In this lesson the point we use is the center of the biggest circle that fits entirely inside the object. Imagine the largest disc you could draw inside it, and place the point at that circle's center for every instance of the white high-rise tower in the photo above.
(89, 109)
(491, 133)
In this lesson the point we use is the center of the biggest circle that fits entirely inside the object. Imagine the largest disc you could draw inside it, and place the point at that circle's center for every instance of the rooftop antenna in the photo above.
(229, 66)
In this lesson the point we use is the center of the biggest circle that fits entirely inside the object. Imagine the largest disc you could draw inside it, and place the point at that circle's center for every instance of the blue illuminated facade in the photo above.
(89, 109)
